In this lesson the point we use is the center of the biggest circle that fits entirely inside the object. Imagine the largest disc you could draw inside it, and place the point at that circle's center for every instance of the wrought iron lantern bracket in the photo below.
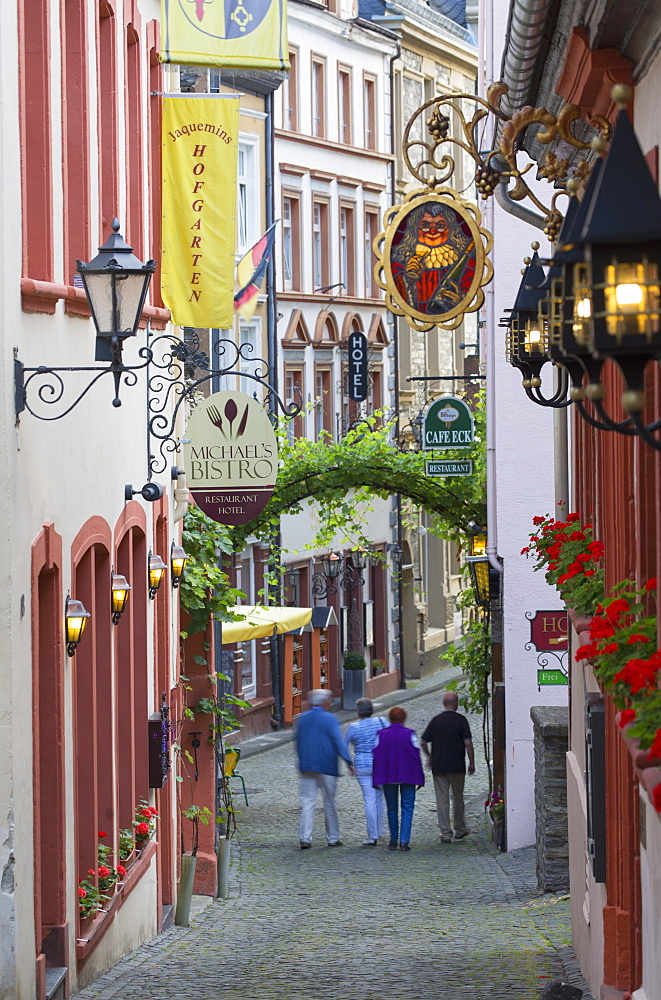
(175, 370)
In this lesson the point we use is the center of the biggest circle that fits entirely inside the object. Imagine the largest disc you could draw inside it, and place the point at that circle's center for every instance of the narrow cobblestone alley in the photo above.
(446, 920)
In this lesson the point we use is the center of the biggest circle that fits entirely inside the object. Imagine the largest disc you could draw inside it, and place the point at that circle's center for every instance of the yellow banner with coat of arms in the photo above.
(200, 148)
(236, 34)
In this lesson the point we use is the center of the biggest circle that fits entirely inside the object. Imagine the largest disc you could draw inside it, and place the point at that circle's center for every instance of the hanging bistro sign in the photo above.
(231, 457)
(448, 423)
(358, 376)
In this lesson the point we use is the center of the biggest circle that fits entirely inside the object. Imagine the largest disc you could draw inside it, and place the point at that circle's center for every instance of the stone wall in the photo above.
(551, 739)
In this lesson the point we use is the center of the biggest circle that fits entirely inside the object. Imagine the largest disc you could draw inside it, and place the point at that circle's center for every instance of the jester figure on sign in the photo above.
(433, 259)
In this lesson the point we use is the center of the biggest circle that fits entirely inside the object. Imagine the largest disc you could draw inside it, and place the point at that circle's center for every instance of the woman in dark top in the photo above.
(398, 769)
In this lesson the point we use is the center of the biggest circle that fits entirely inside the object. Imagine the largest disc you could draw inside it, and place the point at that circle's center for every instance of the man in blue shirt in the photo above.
(318, 745)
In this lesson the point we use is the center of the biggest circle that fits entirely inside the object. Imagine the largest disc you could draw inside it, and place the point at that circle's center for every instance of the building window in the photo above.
(371, 232)
(295, 393)
(369, 111)
(318, 97)
(250, 342)
(247, 197)
(375, 391)
(214, 81)
(291, 242)
(323, 402)
(290, 94)
(348, 249)
(344, 99)
(320, 270)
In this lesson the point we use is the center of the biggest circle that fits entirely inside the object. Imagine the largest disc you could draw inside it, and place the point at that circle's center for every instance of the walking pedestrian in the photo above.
(398, 769)
(450, 738)
(362, 736)
(318, 745)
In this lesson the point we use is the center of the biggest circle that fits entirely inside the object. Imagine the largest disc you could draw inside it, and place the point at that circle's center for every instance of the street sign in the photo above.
(442, 468)
(231, 458)
(358, 377)
(448, 423)
(549, 631)
(551, 677)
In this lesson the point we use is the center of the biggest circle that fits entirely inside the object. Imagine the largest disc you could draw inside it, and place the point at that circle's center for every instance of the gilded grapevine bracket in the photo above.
(431, 162)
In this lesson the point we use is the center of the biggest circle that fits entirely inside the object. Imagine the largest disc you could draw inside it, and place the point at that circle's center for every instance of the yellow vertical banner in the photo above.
(236, 34)
(200, 148)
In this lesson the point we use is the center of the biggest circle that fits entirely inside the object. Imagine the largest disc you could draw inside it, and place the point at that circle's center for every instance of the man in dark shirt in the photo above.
(450, 738)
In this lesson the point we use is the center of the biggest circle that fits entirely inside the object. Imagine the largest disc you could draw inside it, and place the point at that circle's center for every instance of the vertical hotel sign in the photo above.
(200, 144)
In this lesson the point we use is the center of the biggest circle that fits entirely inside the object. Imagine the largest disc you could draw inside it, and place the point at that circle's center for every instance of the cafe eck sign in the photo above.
(231, 457)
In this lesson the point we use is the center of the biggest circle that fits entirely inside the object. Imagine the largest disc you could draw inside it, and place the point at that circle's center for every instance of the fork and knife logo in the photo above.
(226, 425)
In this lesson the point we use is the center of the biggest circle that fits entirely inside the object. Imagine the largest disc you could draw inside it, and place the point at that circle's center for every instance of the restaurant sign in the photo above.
(448, 423)
(231, 457)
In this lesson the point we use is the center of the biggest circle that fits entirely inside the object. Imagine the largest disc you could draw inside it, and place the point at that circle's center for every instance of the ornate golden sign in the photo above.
(433, 259)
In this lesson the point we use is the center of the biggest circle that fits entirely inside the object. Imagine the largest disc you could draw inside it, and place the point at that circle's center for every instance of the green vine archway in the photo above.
(341, 477)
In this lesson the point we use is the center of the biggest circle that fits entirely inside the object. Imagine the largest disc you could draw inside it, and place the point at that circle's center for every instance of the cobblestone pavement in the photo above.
(449, 921)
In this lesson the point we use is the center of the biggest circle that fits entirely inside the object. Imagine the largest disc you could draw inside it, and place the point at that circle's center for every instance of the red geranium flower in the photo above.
(538, 520)
(577, 536)
(104, 872)
(81, 892)
(637, 674)
(627, 716)
(573, 517)
(612, 647)
(655, 749)
(585, 652)
(121, 870)
(651, 584)
(525, 551)
(637, 638)
(90, 871)
(142, 830)
(589, 572)
(102, 834)
(617, 608)
(153, 811)
(656, 798)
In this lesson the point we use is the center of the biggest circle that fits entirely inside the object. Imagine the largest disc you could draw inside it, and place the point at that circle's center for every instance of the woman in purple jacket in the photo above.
(398, 769)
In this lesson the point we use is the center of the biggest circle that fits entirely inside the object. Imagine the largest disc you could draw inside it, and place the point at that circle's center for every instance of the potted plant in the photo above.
(496, 806)
(353, 678)
(126, 845)
(196, 815)
(144, 823)
(89, 901)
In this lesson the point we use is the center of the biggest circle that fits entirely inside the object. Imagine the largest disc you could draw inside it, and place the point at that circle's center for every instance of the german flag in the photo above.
(250, 272)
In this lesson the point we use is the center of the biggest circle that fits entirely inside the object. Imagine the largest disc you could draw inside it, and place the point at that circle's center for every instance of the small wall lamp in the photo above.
(119, 595)
(331, 565)
(156, 573)
(478, 565)
(75, 620)
(178, 560)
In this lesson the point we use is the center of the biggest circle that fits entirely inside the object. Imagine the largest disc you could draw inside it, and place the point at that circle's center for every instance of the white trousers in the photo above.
(373, 798)
(311, 784)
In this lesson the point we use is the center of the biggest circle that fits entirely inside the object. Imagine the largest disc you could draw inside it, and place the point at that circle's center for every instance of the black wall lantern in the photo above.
(156, 572)
(119, 595)
(178, 560)
(604, 293)
(116, 285)
(75, 620)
